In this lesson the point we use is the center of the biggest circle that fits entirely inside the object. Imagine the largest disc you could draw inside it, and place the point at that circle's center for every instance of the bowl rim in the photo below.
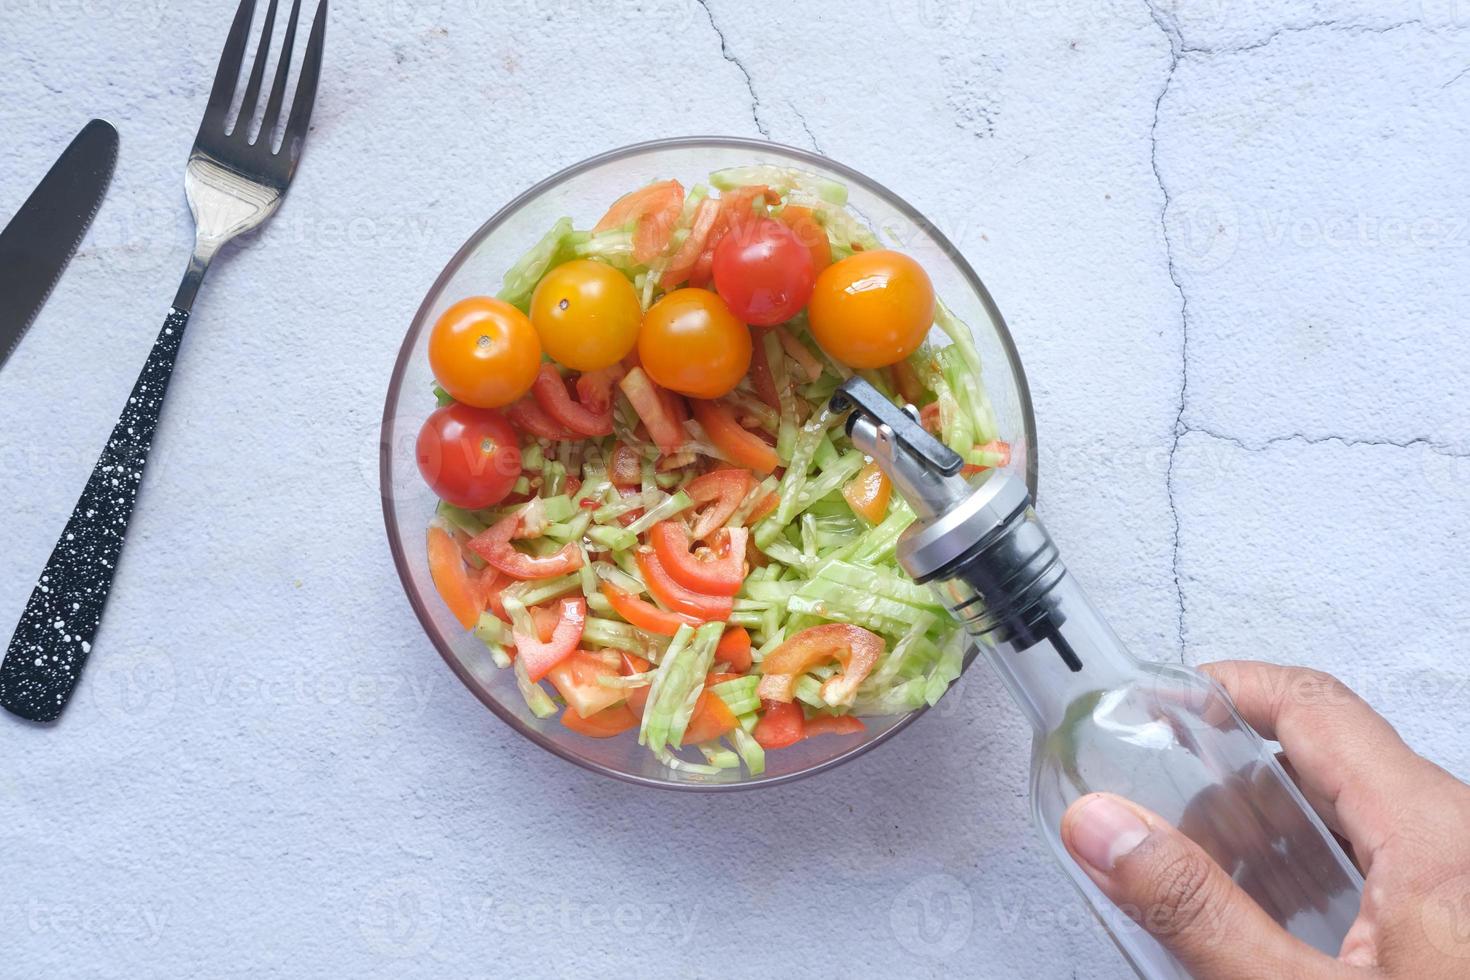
(400, 367)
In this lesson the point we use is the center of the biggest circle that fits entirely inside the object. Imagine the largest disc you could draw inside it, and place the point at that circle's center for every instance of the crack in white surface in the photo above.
(730, 56)
(1176, 43)
(1182, 47)
(1304, 439)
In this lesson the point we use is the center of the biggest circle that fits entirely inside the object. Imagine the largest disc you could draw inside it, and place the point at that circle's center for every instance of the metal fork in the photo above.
(233, 185)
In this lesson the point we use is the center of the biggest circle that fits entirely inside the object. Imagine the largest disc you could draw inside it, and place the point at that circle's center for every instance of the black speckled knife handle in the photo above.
(55, 633)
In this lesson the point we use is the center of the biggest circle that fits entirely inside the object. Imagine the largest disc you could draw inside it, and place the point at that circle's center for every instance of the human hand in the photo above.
(1405, 820)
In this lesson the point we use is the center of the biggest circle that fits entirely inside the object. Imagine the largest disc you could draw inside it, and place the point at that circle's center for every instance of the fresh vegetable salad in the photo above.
(648, 511)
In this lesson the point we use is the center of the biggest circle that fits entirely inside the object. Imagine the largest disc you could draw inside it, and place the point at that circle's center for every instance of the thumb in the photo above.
(1178, 894)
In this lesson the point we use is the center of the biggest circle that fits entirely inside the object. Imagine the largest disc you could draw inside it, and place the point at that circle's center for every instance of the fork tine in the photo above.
(311, 67)
(228, 73)
(257, 74)
(278, 87)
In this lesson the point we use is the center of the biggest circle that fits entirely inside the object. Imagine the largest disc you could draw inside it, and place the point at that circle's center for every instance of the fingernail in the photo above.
(1104, 831)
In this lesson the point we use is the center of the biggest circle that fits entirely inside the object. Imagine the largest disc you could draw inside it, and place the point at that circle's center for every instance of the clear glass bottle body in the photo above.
(1168, 738)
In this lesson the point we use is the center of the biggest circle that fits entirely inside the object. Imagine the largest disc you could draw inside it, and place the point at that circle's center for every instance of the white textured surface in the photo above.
(1231, 240)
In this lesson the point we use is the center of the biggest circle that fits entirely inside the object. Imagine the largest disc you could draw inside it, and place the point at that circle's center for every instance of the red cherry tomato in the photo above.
(764, 273)
(469, 456)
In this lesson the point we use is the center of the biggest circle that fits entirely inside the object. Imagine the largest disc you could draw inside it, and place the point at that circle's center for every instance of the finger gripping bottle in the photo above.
(1162, 735)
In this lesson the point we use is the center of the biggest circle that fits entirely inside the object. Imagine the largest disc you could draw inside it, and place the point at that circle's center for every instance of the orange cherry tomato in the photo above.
(587, 315)
(868, 493)
(452, 579)
(692, 344)
(872, 309)
(855, 648)
(484, 352)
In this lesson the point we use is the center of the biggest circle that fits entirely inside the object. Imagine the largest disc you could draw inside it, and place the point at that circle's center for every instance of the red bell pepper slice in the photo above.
(781, 724)
(682, 262)
(452, 578)
(868, 492)
(493, 545)
(645, 615)
(855, 648)
(550, 390)
(540, 657)
(734, 649)
(717, 569)
(739, 445)
(670, 594)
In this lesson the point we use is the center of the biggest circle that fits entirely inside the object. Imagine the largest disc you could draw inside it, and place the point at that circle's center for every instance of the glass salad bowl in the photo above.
(583, 192)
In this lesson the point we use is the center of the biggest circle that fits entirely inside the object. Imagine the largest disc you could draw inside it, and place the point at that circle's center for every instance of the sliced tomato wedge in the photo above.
(645, 615)
(494, 545)
(540, 657)
(488, 587)
(711, 719)
(673, 596)
(606, 723)
(868, 492)
(654, 409)
(682, 262)
(594, 388)
(834, 725)
(656, 209)
(734, 649)
(739, 445)
(575, 679)
(781, 724)
(625, 469)
(853, 647)
(528, 416)
(550, 390)
(761, 378)
(718, 568)
(452, 578)
(719, 492)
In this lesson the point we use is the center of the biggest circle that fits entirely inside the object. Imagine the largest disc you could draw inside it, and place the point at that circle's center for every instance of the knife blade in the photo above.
(39, 241)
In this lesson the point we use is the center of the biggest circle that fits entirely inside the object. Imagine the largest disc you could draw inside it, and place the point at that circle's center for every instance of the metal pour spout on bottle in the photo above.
(1162, 735)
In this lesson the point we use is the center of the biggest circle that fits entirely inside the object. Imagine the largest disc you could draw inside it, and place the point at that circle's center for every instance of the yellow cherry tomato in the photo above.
(484, 352)
(872, 309)
(587, 314)
(692, 344)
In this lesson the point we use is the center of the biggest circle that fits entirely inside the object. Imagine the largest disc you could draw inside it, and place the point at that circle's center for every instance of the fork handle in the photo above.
(55, 633)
